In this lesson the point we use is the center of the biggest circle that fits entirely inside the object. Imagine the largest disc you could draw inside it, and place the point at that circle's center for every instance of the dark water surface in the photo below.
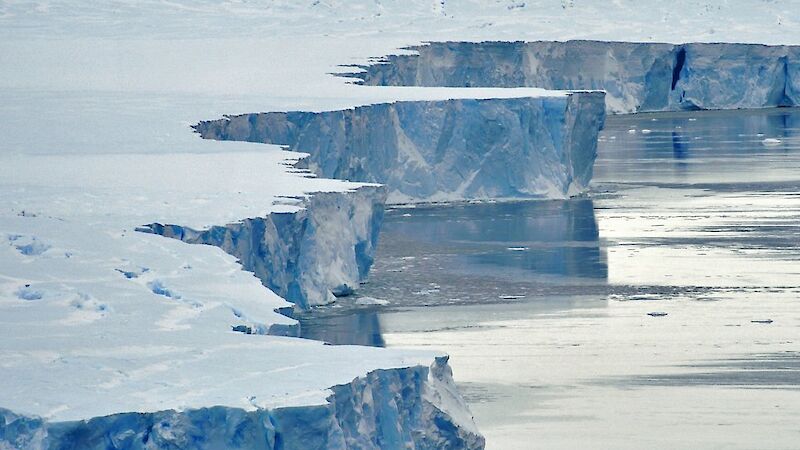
(544, 305)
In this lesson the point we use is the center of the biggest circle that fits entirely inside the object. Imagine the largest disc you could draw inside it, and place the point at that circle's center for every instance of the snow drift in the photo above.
(637, 77)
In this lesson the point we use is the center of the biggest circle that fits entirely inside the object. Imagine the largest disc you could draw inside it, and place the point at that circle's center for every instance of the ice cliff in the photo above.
(441, 150)
(637, 77)
(307, 256)
(414, 407)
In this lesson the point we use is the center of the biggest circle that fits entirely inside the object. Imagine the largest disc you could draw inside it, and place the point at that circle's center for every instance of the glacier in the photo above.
(309, 256)
(146, 325)
(162, 344)
(412, 407)
(638, 77)
(433, 151)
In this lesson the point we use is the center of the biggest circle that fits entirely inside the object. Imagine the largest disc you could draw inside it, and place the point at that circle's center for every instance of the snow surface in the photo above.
(758, 21)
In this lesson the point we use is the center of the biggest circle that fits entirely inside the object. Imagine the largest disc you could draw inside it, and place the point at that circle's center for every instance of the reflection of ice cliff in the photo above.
(474, 254)
(636, 76)
(526, 240)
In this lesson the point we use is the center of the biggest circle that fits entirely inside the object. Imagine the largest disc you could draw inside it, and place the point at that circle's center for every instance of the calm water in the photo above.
(543, 306)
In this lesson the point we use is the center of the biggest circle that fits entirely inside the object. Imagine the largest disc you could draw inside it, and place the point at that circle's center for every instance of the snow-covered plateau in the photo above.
(116, 338)
(637, 77)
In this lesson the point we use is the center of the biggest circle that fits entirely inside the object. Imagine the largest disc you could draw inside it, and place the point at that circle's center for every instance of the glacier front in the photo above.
(637, 77)
(308, 256)
(539, 145)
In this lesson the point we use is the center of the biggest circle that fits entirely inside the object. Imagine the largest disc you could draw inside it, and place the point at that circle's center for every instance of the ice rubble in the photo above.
(536, 146)
(636, 76)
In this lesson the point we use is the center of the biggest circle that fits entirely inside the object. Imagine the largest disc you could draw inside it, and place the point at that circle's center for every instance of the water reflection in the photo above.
(547, 241)
(698, 147)
(354, 326)
(471, 254)
(680, 146)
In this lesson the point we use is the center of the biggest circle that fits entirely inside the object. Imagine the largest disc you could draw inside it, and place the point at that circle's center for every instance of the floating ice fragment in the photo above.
(365, 301)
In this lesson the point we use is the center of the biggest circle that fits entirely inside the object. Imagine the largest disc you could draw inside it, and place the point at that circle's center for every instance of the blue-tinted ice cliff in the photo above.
(637, 77)
(308, 256)
(416, 407)
(442, 150)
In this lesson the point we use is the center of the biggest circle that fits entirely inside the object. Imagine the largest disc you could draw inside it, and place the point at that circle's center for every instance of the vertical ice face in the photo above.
(442, 150)
(636, 76)
(736, 76)
(414, 407)
(307, 257)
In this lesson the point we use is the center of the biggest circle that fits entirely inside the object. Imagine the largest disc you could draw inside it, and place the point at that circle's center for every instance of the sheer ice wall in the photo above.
(637, 77)
(442, 150)
(308, 256)
(415, 407)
